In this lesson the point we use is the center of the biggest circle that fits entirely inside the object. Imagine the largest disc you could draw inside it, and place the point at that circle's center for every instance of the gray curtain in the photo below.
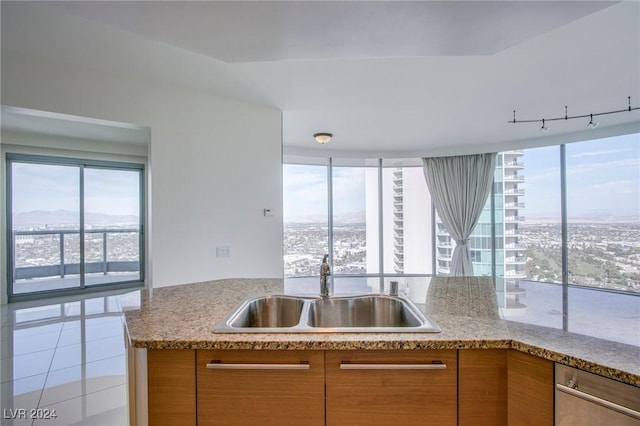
(459, 188)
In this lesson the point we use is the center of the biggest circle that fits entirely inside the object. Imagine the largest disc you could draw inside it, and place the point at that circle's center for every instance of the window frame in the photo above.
(81, 163)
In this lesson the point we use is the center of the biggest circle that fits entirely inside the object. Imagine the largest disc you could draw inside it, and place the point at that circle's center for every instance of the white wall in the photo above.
(215, 164)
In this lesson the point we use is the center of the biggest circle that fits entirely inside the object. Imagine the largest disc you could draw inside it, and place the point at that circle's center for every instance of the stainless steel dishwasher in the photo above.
(585, 399)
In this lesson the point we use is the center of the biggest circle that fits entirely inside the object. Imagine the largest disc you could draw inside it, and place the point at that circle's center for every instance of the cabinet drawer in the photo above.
(391, 387)
(260, 387)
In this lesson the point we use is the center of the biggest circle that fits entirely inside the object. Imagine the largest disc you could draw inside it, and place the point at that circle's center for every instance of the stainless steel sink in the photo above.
(268, 312)
(372, 313)
(363, 311)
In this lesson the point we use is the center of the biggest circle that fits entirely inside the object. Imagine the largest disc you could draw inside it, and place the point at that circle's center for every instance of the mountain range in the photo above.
(68, 217)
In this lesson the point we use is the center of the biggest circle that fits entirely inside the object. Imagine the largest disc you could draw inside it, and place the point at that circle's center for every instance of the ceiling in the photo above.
(387, 78)
(24, 120)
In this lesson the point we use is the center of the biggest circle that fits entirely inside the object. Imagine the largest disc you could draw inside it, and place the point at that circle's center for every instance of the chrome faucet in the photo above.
(325, 272)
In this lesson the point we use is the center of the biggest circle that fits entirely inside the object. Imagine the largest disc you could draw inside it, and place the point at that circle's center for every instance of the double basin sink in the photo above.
(279, 313)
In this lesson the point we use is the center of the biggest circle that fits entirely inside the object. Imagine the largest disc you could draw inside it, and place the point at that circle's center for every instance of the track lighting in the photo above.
(592, 124)
(544, 127)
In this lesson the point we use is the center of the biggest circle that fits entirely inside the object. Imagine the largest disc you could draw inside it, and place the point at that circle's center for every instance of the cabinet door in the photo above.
(171, 387)
(530, 390)
(391, 387)
(482, 382)
(237, 387)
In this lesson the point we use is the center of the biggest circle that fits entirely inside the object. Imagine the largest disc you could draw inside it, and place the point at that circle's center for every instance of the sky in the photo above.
(305, 192)
(603, 179)
(56, 187)
(603, 182)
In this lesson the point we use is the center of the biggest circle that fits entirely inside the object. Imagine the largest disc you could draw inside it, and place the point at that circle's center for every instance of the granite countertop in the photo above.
(465, 308)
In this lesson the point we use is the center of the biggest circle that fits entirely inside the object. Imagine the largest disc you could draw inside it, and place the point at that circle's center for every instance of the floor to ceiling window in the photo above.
(374, 221)
(355, 227)
(536, 297)
(306, 219)
(603, 236)
(582, 262)
(575, 267)
(73, 224)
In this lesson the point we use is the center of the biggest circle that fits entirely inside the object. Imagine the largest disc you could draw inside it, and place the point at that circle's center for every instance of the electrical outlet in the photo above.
(223, 251)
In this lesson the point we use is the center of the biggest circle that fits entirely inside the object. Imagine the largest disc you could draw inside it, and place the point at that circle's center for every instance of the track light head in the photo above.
(544, 127)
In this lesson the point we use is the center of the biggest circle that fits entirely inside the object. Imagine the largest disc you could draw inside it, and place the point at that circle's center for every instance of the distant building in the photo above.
(406, 222)
(509, 251)
(406, 210)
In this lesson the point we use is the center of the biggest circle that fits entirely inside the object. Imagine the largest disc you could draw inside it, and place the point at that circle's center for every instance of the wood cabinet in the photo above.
(409, 387)
(237, 387)
(171, 384)
(530, 390)
(391, 387)
(482, 387)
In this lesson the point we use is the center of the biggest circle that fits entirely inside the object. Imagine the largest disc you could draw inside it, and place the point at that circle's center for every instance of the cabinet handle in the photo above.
(349, 366)
(602, 402)
(221, 366)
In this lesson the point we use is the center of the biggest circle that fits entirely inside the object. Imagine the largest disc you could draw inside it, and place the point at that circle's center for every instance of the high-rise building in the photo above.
(406, 222)
(509, 252)
(406, 218)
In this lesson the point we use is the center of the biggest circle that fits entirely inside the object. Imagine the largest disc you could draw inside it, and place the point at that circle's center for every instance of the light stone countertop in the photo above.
(465, 308)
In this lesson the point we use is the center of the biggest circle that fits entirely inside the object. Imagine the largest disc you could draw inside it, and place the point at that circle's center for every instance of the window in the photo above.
(587, 281)
(536, 296)
(407, 221)
(74, 224)
(355, 220)
(306, 220)
(595, 289)
(370, 206)
(603, 236)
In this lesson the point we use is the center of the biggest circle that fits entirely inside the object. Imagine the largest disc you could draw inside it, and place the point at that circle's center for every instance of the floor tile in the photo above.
(72, 382)
(73, 335)
(103, 408)
(65, 355)
(21, 394)
(18, 343)
(21, 366)
(68, 356)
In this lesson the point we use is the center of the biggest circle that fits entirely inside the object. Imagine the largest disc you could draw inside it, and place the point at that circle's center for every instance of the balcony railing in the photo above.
(514, 219)
(513, 178)
(62, 268)
(514, 191)
(516, 205)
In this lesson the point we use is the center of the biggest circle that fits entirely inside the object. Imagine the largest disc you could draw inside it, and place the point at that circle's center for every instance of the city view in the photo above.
(600, 255)
(37, 246)
(47, 201)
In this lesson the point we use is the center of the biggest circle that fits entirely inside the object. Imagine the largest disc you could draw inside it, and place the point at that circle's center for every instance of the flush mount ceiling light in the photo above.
(592, 124)
(322, 138)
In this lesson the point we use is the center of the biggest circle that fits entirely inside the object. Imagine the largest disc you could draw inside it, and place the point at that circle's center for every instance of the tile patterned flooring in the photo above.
(64, 356)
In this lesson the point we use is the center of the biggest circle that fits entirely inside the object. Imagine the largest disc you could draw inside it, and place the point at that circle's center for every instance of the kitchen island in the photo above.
(181, 318)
